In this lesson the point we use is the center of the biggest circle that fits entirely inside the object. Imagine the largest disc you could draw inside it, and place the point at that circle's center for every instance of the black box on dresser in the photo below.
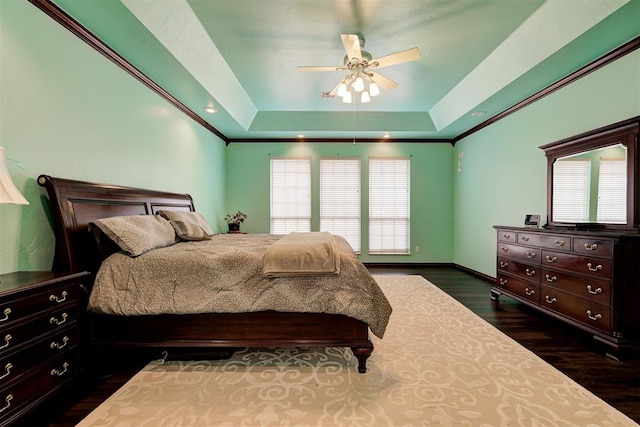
(590, 279)
(39, 338)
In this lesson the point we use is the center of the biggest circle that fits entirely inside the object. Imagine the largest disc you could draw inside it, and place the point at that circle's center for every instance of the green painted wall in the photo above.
(431, 190)
(66, 111)
(503, 172)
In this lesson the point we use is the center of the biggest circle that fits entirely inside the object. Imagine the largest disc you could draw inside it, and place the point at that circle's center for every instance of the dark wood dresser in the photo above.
(39, 337)
(590, 279)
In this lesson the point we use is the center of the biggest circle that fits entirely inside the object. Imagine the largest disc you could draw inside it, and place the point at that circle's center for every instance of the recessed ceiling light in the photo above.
(300, 136)
(210, 109)
(386, 135)
(478, 113)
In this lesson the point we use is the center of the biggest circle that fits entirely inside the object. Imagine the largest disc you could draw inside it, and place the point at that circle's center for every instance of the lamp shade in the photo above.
(8, 191)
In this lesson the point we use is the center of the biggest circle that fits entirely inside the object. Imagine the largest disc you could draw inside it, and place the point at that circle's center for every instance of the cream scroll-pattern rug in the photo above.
(439, 364)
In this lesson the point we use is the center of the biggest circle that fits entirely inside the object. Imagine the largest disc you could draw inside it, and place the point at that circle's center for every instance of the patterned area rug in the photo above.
(438, 364)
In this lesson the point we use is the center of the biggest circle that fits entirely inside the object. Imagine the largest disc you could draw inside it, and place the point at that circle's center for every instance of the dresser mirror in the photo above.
(592, 179)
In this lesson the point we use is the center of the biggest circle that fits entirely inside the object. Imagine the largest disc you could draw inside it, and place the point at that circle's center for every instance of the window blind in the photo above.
(612, 191)
(389, 205)
(340, 198)
(571, 190)
(290, 208)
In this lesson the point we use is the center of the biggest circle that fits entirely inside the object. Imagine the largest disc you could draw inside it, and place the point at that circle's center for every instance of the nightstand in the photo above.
(39, 338)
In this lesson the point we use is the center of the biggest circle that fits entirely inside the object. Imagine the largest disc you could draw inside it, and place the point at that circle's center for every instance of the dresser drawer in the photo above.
(596, 267)
(526, 271)
(598, 291)
(38, 383)
(593, 247)
(584, 311)
(23, 333)
(522, 288)
(530, 255)
(507, 236)
(15, 365)
(12, 310)
(551, 241)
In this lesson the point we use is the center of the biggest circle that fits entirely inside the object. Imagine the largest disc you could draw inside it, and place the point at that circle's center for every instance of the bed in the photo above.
(76, 204)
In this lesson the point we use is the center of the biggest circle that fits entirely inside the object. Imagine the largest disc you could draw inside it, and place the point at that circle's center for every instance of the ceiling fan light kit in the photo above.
(360, 66)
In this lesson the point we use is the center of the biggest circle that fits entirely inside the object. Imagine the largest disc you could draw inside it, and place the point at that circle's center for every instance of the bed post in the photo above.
(362, 354)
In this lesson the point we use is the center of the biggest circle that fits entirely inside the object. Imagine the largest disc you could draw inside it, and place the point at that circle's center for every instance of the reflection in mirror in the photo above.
(591, 187)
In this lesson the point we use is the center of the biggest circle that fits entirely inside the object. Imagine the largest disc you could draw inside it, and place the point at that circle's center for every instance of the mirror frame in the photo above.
(625, 133)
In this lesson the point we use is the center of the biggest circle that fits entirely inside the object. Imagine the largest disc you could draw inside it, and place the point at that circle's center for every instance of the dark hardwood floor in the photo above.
(564, 347)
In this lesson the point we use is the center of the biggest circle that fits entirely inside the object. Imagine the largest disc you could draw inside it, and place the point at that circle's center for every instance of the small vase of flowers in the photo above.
(234, 221)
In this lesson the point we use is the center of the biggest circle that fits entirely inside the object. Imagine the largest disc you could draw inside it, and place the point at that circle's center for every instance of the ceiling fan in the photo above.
(361, 65)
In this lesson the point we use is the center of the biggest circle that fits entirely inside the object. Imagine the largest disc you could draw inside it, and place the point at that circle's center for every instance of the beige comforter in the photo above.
(225, 275)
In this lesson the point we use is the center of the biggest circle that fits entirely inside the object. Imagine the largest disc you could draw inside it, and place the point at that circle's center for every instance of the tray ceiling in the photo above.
(241, 56)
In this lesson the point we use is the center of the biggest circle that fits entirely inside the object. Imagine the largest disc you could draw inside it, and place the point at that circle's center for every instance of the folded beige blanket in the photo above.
(302, 254)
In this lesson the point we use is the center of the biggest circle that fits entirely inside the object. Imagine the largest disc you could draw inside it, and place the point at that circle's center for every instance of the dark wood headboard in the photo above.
(74, 204)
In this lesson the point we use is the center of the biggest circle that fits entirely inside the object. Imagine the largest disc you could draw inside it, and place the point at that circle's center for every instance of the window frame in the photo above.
(374, 213)
(291, 219)
(352, 234)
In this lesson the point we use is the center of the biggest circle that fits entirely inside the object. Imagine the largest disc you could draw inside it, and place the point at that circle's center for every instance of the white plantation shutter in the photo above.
(290, 195)
(388, 205)
(571, 190)
(612, 191)
(340, 198)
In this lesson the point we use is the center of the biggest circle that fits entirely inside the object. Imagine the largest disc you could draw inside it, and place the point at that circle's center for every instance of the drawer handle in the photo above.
(550, 279)
(531, 254)
(56, 346)
(506, 236)
(524, 238)
(595, 291)
(504, 264)
(596, 268)
(503, 249)
(592, 317)
(530, 272)
(7, 341)
(7, 370)
(559, 242)
(8, 400)
(6, 312)
(58, 300)
(592, 247)
(550, 300)
(58, 373)
(552, 259)
(503, 281)
(529, 291)
(59, 322)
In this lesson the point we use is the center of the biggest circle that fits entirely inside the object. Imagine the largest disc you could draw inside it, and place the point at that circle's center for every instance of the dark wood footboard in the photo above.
(223, 330)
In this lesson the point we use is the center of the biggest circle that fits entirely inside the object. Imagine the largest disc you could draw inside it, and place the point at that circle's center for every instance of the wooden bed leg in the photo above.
(362, 354)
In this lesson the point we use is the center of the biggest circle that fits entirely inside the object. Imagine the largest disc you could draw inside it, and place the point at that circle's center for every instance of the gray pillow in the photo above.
(185, 216)
(137, 234)
(189, 231)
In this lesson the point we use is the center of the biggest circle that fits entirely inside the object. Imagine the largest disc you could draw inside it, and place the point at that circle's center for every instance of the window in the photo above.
(340, 198)
(290, 195)
(389, 206)
(571, 190)
(612, 191)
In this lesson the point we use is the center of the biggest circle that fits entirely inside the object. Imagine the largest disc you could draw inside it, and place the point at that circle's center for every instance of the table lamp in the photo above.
(8, 191)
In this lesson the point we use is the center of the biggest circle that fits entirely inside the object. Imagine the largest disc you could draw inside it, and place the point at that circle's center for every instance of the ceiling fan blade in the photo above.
(351, 44)
(396, 58)
(382, 81)
(328, 68)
